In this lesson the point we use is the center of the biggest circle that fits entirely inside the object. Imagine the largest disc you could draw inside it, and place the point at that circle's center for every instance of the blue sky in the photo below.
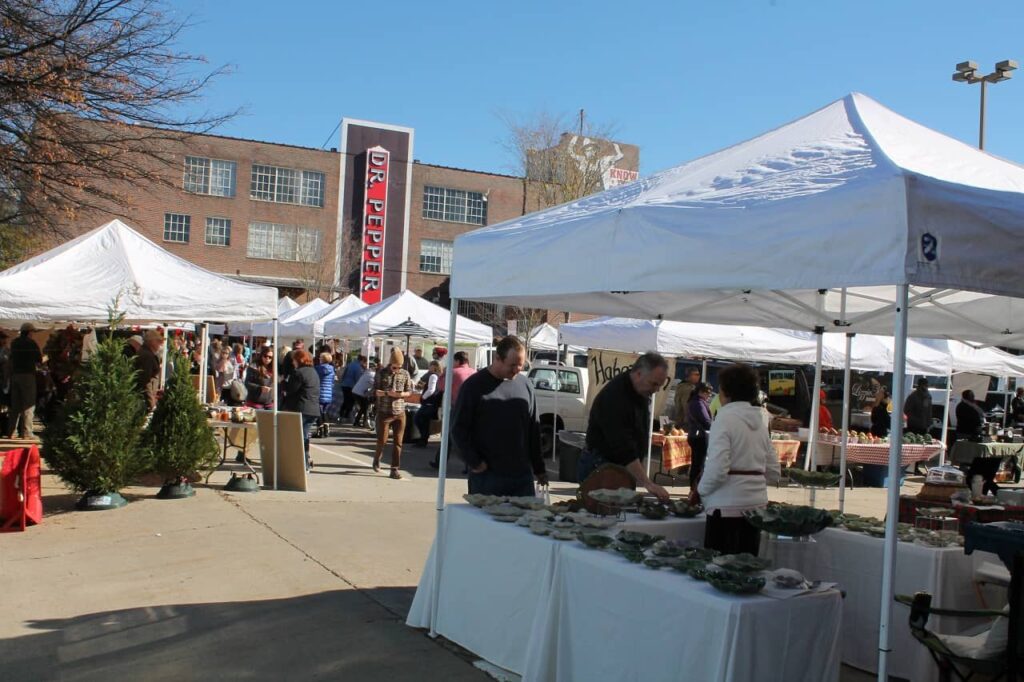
(679, 79)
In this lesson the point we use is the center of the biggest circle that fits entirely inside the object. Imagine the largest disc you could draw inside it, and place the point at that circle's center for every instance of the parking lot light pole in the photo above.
(967, 72)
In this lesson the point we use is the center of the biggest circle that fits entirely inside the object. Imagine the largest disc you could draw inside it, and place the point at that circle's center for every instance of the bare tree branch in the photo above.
(91, 99)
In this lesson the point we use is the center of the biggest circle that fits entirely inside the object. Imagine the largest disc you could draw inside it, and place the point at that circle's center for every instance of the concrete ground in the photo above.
(264, 586)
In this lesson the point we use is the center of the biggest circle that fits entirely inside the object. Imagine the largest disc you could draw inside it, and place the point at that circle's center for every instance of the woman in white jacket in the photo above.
(740, 463)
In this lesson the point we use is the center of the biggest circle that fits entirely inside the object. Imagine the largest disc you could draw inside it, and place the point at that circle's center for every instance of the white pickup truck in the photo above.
(569, 384)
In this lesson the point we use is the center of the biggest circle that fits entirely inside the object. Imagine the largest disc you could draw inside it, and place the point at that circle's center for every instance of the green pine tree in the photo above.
(93, 441)
(178, 436)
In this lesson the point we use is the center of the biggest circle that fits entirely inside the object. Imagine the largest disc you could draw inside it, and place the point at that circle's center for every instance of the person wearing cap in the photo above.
(392, 386)
(147, 367)
(132, 346)
(25, 359)
(918, 408)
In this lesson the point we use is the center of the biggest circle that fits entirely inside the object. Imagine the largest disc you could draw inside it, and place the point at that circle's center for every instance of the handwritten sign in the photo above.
(603, 366)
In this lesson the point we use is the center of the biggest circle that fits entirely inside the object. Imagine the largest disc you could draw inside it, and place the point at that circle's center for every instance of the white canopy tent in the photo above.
(545, 337)
(312, 324)
(850, 219)
(308, 308)
(285, 304)
(401, 307)
(114, 266)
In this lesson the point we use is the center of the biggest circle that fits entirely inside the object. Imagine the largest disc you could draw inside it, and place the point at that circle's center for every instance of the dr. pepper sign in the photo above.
(375, 207)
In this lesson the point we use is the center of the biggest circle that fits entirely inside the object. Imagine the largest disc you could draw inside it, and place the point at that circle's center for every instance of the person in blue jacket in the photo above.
(325, 370)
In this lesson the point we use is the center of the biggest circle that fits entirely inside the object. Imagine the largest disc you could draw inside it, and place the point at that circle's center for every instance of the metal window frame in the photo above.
(174, 227)
(448, 212)
(225, 229)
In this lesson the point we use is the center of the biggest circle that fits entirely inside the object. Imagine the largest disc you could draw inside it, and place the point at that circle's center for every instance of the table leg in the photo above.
(223, 456)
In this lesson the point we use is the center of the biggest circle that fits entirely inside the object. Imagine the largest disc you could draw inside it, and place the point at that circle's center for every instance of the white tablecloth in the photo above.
(554, 610)
(855, 562)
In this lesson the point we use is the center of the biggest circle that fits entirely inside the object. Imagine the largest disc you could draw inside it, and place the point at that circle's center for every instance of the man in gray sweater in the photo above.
(495, 426)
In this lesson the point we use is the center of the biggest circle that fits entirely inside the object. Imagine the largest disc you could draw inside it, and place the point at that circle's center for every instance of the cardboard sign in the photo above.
(603, 366)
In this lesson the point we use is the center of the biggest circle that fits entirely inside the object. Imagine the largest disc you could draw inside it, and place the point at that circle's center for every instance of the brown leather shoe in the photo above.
(395, 475)
(376, 463)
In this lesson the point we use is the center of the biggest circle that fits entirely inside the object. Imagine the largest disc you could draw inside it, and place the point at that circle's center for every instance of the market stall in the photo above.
(852, 219)
(533, 620)
(402, 307)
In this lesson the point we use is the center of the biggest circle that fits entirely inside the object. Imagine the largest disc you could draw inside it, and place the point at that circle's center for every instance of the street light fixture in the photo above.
(967, 72)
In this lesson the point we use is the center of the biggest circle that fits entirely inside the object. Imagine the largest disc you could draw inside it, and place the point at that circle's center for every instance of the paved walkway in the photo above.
(264, 586)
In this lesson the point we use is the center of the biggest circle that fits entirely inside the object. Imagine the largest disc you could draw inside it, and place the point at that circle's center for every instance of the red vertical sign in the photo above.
(375, 206)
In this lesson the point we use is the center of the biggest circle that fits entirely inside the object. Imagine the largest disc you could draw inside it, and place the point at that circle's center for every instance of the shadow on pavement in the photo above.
(336, 635)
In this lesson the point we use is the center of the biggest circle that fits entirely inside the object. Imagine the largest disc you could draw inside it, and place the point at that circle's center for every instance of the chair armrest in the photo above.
(908, 600)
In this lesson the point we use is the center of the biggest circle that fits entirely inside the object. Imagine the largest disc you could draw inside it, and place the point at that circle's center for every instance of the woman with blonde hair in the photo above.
(392, 386)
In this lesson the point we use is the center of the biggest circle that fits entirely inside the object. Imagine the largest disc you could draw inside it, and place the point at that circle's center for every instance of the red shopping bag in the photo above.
(21, 499)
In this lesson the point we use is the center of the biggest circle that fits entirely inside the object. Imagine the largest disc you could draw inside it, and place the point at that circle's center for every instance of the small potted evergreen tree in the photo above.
(92, 443)
(178, 437)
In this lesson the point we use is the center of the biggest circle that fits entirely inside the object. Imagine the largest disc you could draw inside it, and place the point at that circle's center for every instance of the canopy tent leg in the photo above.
(812, 439)
(846, 424)
(558, 389)
(204, 343)
(945, 415)
(442, 464)
(899, 373)
(650, 437)
(163, 362)
(704, 370)
(276, 394)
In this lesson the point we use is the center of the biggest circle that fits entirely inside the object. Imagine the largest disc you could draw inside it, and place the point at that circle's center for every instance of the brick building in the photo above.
(367, 218)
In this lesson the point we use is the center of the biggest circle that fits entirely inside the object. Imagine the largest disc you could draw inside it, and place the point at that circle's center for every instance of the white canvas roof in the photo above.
(851, 196)
(310, 307)
(313, 323)
(545, 337)
(870, 353)
(403, 306)
(285, 304)
(81, 279)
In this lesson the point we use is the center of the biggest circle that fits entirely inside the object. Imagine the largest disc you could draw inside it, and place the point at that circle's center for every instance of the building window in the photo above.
(287, 185)
(176, 227)
(436, 256)
(454, 205)
(210, 176)
(218, 232)
(273, 241)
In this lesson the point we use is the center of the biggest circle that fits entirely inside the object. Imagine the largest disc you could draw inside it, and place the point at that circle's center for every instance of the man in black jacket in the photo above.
(619, 426)
(25, 358)
(495, 426)
(918, 408)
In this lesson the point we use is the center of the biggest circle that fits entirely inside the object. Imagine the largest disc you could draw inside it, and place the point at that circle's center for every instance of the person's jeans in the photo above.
(698, 455)
(363, 403)
(424, 415)
(587, 463)
(346, 406)
(308, 424)
(490, 483)
(23, 404)
(397, 424)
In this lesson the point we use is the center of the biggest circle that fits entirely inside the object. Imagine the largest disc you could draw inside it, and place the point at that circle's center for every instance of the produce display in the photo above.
(652, 510)
(237, 415)
(789, 519)
(595, 540)
(683, 509)
(905, 532)
(814, 479)
(636, 538)
(622, 497)
(742, 563)
(863, 438)
(787, 578)
(734, 583)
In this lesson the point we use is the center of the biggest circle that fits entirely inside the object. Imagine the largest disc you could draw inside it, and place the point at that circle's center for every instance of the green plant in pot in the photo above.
(92, 443)
(178, 436)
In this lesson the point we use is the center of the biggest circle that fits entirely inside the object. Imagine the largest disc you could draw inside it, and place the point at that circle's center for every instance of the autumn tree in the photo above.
(92, 94)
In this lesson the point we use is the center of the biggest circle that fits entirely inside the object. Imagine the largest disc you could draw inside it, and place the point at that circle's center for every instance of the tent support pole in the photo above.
(945, 415)
(558, 389)
(650, 436)
(846, 423)
(899, 373)
(812, 438)
(163, 362)
(277, 393)
(442, 464)
(704, 370)
(204, 342)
